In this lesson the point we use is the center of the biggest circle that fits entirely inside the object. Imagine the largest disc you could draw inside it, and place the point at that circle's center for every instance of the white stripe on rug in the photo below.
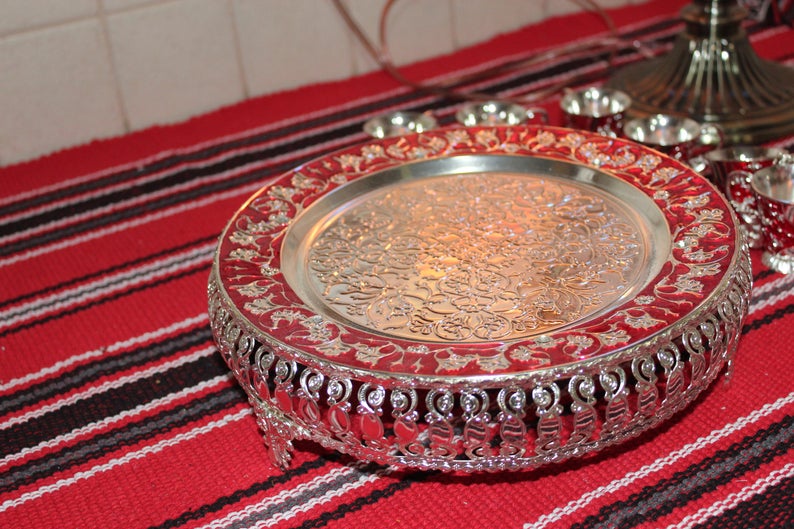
(106, 285)
(107, 386)
(92, 428)
(683, 452)
(131, 456)
(105, 351)
(350, 476)
(734, 499)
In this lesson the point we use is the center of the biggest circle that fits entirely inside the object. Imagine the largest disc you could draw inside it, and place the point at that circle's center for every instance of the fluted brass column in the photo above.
(713, 75)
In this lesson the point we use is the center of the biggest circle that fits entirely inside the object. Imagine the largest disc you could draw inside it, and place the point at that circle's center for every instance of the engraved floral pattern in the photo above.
(482, 257)
(476, 304)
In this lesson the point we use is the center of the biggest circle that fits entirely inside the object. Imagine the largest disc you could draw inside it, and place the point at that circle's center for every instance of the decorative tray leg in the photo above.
(277, 436)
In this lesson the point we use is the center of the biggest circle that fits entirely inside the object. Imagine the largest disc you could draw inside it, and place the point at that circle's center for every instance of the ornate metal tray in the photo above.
(478, 298)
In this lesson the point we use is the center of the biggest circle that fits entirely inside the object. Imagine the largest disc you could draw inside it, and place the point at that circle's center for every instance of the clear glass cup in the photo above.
(774, 189)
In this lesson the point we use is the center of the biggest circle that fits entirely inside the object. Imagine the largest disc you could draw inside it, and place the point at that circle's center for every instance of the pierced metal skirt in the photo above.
(478, 299)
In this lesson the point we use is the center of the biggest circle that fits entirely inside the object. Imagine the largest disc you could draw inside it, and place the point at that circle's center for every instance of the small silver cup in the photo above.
(595, 109)
(774, 189)
(498, 113)
(399, 124)
(679, 137)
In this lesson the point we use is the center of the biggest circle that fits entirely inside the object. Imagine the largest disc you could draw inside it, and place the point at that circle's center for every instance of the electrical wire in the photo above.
(382, 56)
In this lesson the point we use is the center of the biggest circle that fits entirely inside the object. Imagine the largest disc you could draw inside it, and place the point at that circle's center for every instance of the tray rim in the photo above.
(491, 422)
(604, 188)
(553, 372)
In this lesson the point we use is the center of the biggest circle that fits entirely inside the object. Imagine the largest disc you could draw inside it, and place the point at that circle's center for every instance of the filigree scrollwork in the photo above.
(712, 331)
(512, 428)
(694, 346)
(260, 369)
(278, 435)
(231, 333)
(477, 429)
(241, 359)
(549, 411)
(406, 427)
(370, 410)
(617, 411)
(731, 312)
(339, 392)
(644, 370)
(244, 346)
(440, 432)
(669, 358)
(309, 396)
(582, 390)
(218, 322)
(743, 278)
(285, 371)
(733, 309)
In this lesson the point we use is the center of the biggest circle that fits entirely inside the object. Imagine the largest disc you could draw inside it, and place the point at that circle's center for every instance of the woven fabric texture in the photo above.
(117, 411)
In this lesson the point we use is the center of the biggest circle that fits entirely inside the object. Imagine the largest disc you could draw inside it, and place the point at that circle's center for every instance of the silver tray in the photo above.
(478, 298)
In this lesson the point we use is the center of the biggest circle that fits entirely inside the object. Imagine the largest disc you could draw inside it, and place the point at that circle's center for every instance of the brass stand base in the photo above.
(713, 75)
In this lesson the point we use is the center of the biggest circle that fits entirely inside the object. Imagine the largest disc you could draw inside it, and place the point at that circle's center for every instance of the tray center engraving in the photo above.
(475, 257)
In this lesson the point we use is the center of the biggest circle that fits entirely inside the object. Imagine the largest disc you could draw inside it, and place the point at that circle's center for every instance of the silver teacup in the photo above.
(679, 137)
(498, 113)
(595, 109)
(399, 124)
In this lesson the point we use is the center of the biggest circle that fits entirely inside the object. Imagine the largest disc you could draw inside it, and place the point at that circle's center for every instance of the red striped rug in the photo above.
(117, 411)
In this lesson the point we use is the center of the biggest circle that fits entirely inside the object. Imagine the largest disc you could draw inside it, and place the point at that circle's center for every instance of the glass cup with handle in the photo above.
(774, 190)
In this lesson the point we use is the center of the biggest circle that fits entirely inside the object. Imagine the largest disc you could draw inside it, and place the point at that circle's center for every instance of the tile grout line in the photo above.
(102, 16)
(238, 50)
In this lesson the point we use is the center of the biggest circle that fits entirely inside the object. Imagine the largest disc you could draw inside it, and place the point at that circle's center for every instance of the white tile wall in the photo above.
(174, 60)
(76, 70)
(477, 20)
(285, 43)
(57, 90)
(112, 6)
(29, 14)
(415, 30)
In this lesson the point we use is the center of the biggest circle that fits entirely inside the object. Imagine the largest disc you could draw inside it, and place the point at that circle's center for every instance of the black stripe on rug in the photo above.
(200, 268)
(239, 495)
(106, 367)
(768, 509)
(111, 402)
(372, 498)
(768, 319)
(126, 265)
(703, 477)
(127, 435)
